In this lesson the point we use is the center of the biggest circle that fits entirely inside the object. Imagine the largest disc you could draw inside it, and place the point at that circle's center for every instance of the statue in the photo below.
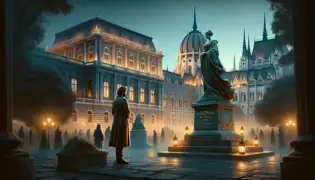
(216, 86)
(138, 124)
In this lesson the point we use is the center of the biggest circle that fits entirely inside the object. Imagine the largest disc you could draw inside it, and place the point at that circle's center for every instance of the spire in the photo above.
(234, 66)
(248, 46)
(195, 23)
(244, 44)
(265, 35)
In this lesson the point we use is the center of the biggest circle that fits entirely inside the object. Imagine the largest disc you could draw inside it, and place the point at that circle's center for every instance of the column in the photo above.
(126, 58)
(95, 49)
(127, 84)
(96, 84)
(161, 67)
(113, 54)
(114, 85)
(149, 92)
(160, 98)
(99, 54)
(137, 62)
(14, 162)
(84, 51)
(149, 64)
(300, 163)
(138, 91)
(101, 86)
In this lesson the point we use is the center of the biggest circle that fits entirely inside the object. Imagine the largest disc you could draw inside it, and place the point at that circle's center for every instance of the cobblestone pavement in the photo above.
(144, 164)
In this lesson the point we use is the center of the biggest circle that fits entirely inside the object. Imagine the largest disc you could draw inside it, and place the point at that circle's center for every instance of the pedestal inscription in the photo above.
(206, 119)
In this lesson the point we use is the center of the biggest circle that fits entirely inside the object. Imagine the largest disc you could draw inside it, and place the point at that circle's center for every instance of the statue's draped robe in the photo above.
(120, 129)
(216, 85)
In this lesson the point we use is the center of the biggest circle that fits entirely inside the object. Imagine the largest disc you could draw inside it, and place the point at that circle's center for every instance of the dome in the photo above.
(193, 40)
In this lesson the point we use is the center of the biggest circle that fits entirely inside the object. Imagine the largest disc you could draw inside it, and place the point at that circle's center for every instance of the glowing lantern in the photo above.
(52, 123)
(175, 141)
(293, 124)
(187, 130)
(242, 130)
(256, 141)
(48, 120)
(44, 123)
(241, 148)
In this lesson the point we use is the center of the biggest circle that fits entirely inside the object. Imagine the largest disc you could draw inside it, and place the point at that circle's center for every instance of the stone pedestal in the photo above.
(139, 139)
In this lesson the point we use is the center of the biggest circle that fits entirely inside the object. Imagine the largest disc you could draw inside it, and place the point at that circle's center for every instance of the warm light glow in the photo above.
(286, 124)
(52, 124)
(163, 160)
(175, 143)
(48, 120)
(242, 130)
(241, 165)
(267, 126)
(241, 150)
(256, 142)
(96, 30)
(272, 158)
(293, 124)
(187, 132)
(44, 123)
(290, 122)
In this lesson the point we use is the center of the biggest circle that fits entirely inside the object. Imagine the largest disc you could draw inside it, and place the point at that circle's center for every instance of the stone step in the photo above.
(214, 149)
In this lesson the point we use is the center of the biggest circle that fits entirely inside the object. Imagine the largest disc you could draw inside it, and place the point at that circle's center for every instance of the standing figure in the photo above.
(154, 138)
(261, 135)
(58, 139)
(119, 137)
(65, 137)
(98, 136)
(21, 133)
(44, 141)
(88, 135)
(30, 135)
(107, 135)
(80, 133)
(75, 133)
(252, 133)
(272, 137)
(281, 138)
(162, 135)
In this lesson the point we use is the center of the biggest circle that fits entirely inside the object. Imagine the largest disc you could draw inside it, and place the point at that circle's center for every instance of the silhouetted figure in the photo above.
(43, 141)
(80, 133)
(65, 137)
(98, 136)
(119, 137)
(272, 137)
(21, 133)
(154, 138)
(88, 135)
(281, 137)
(107, 135)
(162, 135)
(252, 133)
(75, 132)
(58, 139)
(261, 135)
(30, 135)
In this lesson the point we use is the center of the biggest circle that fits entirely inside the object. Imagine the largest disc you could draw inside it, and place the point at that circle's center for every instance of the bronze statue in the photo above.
(216, 86)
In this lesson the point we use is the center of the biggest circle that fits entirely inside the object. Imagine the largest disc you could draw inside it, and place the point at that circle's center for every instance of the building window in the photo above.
(74, 85)
(69, 54)
(173, 101)
(153, 69)
(106, 89)
(90, 116)
(90, 88)
(235, 97)
(244, 96)
(119, 58)
(142, 117)
(131, 93)
(152, 117)
(90, 53)
(180, 103)
(189, 69)
(106, 54)
(131, 61)
(142, 95)
(79, 54)
(106, 117)
(131, 118)
(186, 103)
(142, 65)
(74, 116)
(152, 92)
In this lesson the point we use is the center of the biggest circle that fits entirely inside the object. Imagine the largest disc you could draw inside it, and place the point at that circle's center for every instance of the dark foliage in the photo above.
(278, 103)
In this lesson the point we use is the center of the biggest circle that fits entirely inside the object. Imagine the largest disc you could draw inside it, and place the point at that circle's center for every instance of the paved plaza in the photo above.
(144, 164)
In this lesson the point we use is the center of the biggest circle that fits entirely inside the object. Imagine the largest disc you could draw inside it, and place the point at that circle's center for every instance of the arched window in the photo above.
(152, 93)
(91, 53)
(131, 93)
(153, 69)
(106, 117)
(74, 116)
(173, 101)
(142, 95)
(131, 119)
(90, 88)
(90, 116)
(142, 117)
(152, 117)
(119, 58)
(244, 96)
(142, 65)
(131, 61)
(74, 85)
(79, 54)
(106, 89)
(189, 69)
(106, 54)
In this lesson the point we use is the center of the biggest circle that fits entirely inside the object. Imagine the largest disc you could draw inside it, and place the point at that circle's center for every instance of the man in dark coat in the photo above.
(66, 136)
(98, 136)
(119, 137)
(21, 135)
(44, 141)
(58, 139)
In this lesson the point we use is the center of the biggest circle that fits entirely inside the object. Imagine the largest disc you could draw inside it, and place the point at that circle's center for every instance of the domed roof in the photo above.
(193, 40)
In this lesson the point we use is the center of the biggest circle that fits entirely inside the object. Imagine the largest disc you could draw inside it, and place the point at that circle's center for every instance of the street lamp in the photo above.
(175, 141)
(241, 148)
(49, 123)
(256, 141)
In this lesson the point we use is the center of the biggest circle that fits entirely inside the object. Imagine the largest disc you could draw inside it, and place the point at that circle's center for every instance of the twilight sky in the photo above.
(168, 21)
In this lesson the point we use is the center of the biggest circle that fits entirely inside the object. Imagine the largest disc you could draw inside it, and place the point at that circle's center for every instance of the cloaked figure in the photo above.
(119, 137)
(75, 132)
(21, 133)
(80, 133)
(154, 138)
(43, 141)
(88, 135)
(162, 135)
(261, 135)
(66, 136)
(107, 135)
(272, 137)
(281, 138)
(58, 139)
(30, 135)
(98, 136)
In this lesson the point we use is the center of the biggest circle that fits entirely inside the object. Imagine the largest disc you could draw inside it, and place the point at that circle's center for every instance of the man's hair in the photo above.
(121, 90)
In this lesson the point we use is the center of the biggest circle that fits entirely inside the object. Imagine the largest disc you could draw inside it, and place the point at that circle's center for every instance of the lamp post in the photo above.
(48, 123)
(242, 132)
(289, 126)
(256, 141)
